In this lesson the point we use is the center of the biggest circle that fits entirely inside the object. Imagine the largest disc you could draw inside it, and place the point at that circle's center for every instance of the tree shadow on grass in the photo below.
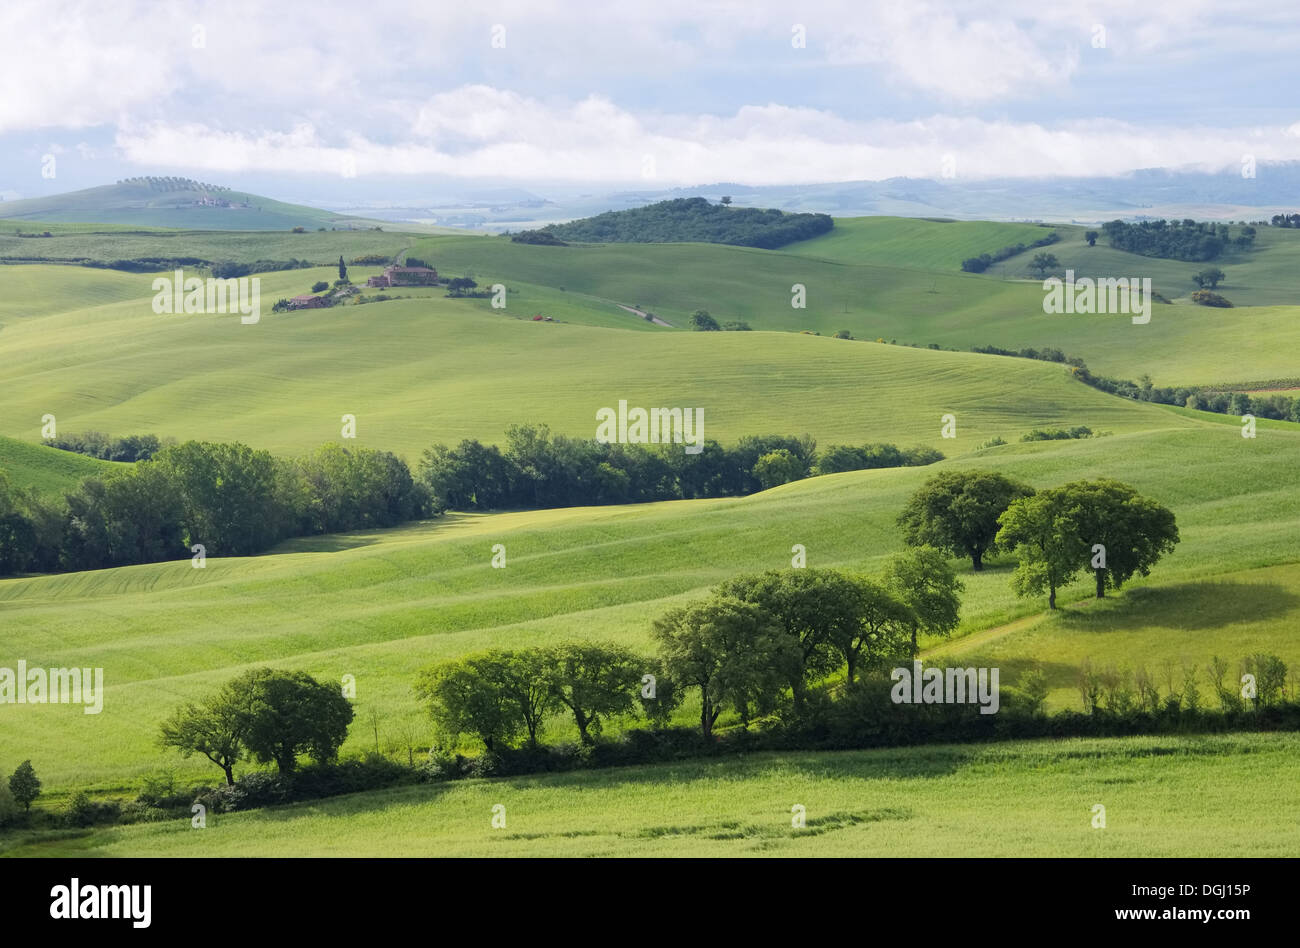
(328, 543)
(1197, 605)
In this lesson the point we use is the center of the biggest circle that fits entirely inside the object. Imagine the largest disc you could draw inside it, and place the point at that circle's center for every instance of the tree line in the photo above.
(756, 639)
(766, 640)
(96, 444)
(231, 499)
(985, 260)
(1202, 398)
(695, 219)
(235, 500)
(281, 717)
(538, 469)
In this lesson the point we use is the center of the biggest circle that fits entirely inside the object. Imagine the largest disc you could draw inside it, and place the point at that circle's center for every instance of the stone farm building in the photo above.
(307, 301)
(405, 276)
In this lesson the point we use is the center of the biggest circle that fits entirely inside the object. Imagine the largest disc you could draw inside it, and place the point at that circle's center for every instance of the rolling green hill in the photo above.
(1263, 276)
(915, 242)
(47, 469)
(1182, 345)
(878, 278)
(85, 345)
(136, 202)
(432, 369)
(381, 605)
(77, 243)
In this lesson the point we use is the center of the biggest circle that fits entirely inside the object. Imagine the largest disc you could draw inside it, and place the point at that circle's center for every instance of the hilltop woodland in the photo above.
(694, 219)
(1176, 240)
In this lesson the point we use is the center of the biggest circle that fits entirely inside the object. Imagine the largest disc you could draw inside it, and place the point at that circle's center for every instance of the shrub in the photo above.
(83, 811)
(1058, 434)
(1206, 298)
(354, 775)
(256, 789)
(320, 286)
(701, 321)
(9, 811)
(442, 765)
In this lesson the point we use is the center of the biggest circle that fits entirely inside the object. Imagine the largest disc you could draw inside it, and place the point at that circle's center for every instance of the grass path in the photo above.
(984, 636)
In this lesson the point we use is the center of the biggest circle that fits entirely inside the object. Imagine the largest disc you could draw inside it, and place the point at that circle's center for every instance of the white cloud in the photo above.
(585, 90)
(478, 131)
(975, 60)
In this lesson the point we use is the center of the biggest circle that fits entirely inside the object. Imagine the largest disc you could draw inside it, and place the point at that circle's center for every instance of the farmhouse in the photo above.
(307, 301)
(405, 276)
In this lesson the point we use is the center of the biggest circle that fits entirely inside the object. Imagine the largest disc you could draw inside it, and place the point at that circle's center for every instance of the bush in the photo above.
(256, 789)
(9, 809)
(139, 812)
(442, 765)
(320, 286)
(354, 775)
(1058, 434)
(1206, 298)
(701, 321)
(83, 811)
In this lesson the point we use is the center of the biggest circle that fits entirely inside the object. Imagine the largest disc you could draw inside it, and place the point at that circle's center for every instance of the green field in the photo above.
(907, 292)
(419, 371)
(1162, 797)
(95, 242)
(380, 606)
(48, 469)
(915, 243)
(879, 278)
(84, 345)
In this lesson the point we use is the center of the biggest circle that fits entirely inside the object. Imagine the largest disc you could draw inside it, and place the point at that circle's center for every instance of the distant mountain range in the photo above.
(1160, 192)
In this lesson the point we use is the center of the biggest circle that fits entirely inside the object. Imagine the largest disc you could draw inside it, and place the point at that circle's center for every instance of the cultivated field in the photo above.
(1163, 797)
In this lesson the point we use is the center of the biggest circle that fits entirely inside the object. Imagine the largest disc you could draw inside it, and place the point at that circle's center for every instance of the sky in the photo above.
(657, 93)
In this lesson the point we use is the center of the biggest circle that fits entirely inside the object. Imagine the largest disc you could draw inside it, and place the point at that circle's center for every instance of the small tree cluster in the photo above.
(266, 715)
(502, 695)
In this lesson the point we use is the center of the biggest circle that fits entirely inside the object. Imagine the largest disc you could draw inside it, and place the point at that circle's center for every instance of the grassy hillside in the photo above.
(380, 606)
(139, 205)
(95, 242)
(47, 469)
(1182, 345)
(433, 369)
(1163, 797)
(1263, 276)
(876, 277)
(85, 345)
(915, 242)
